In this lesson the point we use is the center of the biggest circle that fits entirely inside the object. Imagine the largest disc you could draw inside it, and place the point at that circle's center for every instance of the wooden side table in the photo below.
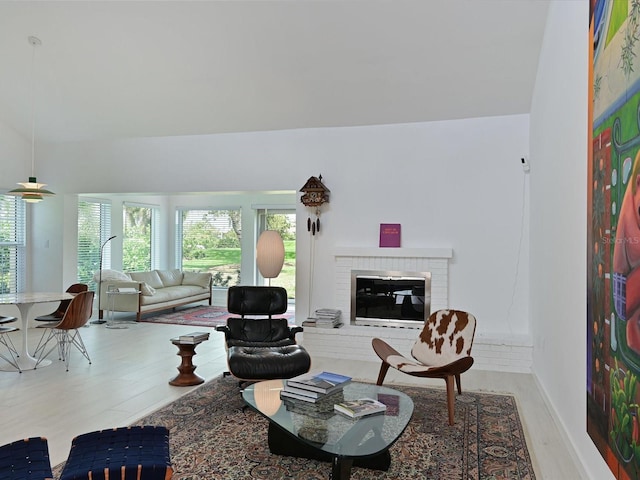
(186, 377)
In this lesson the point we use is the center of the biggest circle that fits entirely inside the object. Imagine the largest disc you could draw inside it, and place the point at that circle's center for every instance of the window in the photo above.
(12, 244)
(140, 238)
(94, 228)
(209, 241)
(284, 222)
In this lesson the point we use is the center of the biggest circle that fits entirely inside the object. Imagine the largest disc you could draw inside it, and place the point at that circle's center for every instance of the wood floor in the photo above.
(129, 375)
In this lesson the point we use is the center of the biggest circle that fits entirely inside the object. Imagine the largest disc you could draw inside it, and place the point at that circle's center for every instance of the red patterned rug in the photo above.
(201, 316)
(214, 437)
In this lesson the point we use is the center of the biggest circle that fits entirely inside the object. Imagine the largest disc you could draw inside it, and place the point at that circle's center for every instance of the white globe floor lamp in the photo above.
(270, 254)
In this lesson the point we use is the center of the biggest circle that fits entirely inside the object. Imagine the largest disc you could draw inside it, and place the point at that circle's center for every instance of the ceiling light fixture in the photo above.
(32, 191)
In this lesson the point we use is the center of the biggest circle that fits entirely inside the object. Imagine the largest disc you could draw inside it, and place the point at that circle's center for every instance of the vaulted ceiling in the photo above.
(118, 69)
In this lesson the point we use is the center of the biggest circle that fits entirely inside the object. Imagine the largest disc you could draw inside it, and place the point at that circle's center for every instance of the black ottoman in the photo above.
(266, 363)
(26, 459)
(140, 453)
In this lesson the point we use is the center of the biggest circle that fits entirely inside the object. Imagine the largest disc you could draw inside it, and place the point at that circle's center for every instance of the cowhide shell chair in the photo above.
(443, 350)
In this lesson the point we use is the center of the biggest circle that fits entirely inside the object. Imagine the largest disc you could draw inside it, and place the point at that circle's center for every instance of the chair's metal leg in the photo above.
(41, 342)
(66, 347)
(76, 339)
(67, 339)
(11, 346)
(62, 344)
(41, 346)
(12, 359)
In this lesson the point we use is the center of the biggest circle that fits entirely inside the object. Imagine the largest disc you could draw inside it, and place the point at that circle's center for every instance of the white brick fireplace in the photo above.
(353, 342)
(434, 260)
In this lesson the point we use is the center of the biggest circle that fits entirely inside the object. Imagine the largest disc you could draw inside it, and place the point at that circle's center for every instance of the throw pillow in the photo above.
(170, 278)
(151, 278)
(111, 276)
(147, 289)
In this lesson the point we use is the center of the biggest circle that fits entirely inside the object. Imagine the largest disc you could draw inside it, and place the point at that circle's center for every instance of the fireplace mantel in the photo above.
(443, 252)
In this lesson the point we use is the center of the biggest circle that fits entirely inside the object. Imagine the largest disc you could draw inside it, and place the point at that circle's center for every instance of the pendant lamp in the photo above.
(32, 191)
(270, 254)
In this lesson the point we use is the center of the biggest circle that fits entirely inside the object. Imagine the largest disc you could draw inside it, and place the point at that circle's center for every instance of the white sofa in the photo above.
(158, 290)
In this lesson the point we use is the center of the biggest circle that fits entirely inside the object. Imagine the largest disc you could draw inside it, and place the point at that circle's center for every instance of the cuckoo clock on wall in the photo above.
(315, 194)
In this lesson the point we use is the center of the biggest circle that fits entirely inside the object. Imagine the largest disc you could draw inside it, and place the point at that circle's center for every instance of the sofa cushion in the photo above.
(170, 278)
(170, 294)
(150, 278)
(196, 278)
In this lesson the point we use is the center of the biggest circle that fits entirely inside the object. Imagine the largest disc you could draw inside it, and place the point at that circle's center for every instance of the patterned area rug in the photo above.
(200, 316)
(212, 437)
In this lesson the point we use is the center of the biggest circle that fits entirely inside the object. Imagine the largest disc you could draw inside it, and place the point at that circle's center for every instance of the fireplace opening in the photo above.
(390, 299)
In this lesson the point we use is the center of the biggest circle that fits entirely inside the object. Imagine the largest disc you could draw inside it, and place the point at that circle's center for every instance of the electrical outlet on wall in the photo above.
(525, 164)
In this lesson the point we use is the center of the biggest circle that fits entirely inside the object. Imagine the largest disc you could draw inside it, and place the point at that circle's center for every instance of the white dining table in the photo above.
(24, 302)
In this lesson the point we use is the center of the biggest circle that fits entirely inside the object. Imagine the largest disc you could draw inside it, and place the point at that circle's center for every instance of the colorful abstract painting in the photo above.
(613, 262)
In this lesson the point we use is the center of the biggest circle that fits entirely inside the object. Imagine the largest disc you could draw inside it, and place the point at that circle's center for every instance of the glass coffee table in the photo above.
(303, 429)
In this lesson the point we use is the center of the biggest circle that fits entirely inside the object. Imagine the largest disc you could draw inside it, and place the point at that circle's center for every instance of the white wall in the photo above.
(558, 224)
(455, 184)
(15, 157)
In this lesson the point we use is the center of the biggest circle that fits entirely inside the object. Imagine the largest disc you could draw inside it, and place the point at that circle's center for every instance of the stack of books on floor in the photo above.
(321, 389)
(328, 318)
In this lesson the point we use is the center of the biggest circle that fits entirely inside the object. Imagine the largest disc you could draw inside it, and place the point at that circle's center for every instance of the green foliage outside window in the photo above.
(211, 243)
(136, 246)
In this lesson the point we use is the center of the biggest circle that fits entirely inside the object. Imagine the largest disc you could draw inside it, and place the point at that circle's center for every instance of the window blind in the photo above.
(94, 228)
(12, 244)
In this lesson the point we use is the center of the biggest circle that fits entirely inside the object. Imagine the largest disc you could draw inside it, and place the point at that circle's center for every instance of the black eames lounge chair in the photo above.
(260, 347)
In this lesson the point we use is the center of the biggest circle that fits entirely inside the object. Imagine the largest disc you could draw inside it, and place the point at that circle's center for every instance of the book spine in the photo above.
(307, 387)
(304, 398)
(301, 391)
(344, 411)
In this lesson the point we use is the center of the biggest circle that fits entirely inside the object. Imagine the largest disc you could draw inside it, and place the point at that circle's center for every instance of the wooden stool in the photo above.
(187, 376)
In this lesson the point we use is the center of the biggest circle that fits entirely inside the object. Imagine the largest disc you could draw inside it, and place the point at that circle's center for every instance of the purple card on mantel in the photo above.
(389, 235)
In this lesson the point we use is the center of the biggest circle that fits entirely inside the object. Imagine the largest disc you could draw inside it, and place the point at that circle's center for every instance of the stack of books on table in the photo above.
(314, 387)
(322, 408)
(328, 318)
(194, 337)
